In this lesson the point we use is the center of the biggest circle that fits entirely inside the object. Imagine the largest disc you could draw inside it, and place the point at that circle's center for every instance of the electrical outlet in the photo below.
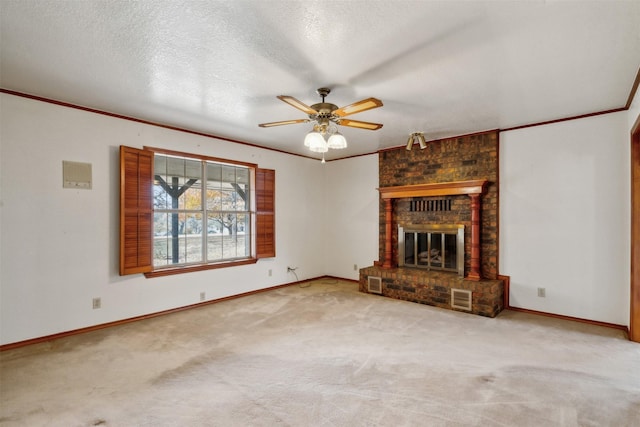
(97, 303)
(355, 267)
(270, 272)
(202, 296)
(541, 292)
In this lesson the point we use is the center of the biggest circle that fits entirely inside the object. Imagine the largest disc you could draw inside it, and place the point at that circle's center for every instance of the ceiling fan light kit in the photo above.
(416, 137)
(326, 118)
(337, 141)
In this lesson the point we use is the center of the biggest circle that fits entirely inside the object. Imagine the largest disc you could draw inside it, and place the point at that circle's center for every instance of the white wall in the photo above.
(351, 212)
(561, 184)
(59, 247)
(565, 217)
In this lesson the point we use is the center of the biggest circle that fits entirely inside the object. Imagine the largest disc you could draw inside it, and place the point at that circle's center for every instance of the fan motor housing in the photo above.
(324, 108)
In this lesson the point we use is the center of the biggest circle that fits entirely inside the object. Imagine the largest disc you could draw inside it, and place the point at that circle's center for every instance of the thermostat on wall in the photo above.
(76, 175)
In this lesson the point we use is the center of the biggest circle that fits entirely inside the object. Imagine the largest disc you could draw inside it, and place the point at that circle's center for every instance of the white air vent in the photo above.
(461, 299)
(374, 285)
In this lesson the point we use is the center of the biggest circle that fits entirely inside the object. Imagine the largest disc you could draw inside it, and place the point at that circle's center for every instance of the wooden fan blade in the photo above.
(297, 104)
(356, 107)
(284, 122)
(359, 124)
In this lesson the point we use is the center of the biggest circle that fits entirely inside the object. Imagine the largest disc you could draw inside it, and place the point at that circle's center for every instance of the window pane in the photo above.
(214, 175)
(178, 238)
(244, 232)
(214, 247)
(177, 183)
(229, 239)
(242, 192)
(167, 228)
(160, 196)
(220, 223)
(161, 248)
(214, 238)
(228, 200)
(191, 199)
(160, 224)
(242, 188)
(189, 185)
(229, 247)
(242, 176)
(214, 200)
(228, 174)
(193, 237)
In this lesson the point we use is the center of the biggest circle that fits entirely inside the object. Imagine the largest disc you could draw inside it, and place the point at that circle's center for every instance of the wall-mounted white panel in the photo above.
(76, 175)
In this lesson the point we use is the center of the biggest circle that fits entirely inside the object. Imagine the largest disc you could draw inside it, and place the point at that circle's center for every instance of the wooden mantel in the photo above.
(477, 186)
(473, 189)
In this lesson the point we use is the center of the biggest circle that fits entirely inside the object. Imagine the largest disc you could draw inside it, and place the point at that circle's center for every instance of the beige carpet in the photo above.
(327, 355)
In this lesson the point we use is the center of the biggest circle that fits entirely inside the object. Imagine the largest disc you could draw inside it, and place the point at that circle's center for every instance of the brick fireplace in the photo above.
(452, 183)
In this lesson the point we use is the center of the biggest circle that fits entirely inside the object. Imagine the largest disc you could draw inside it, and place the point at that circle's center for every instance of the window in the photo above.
(195, 222)
(182, 212)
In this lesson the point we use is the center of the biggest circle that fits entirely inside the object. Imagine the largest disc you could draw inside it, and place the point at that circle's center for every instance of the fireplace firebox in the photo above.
(432, 247)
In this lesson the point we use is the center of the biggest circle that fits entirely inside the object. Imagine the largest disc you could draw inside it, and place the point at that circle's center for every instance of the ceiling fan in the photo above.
(325, 117)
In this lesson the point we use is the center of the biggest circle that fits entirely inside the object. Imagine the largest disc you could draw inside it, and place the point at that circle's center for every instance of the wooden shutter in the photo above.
(265, 213)
(136, 210)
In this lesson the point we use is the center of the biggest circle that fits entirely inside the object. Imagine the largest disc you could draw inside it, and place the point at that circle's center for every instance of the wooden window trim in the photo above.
(168, 271)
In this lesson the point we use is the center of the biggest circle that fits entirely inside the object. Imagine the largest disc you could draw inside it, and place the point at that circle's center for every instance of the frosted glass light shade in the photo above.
(318, 145)
(337, 141)
(313, 138)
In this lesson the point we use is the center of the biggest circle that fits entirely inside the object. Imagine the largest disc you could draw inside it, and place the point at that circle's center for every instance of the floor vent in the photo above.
(374, 285)
(461, 299)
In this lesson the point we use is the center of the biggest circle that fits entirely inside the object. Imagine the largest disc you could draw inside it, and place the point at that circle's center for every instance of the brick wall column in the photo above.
(474, 273)
(389, 262)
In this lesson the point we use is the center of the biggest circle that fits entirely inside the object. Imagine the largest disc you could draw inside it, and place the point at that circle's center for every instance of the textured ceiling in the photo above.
(443, 67)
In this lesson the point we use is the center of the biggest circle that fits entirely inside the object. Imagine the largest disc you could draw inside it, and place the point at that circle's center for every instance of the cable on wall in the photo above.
(293, 270)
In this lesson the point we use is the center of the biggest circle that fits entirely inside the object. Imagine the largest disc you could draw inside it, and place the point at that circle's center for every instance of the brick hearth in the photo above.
(434, 288)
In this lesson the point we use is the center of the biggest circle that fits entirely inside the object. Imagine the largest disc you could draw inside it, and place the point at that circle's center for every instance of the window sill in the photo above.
(198, 267)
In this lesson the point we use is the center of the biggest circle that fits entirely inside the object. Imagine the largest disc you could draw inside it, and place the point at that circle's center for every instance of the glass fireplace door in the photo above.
(438, 247)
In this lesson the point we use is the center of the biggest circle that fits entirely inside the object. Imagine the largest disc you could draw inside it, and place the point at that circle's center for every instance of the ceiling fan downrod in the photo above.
(323, 92)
